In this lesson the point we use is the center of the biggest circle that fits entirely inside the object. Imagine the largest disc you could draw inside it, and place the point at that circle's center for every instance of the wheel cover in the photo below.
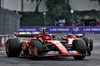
(7, 48)
(24, 46)
(30, 50)
(35, 51)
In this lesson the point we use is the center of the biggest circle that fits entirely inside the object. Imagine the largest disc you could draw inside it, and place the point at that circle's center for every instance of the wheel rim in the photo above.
(24, 46)
(35, 51)
(30, 50)
(7, 48)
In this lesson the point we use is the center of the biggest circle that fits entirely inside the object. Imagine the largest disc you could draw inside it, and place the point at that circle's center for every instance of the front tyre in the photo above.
(80, 47)
(86, 41)
(35, 48)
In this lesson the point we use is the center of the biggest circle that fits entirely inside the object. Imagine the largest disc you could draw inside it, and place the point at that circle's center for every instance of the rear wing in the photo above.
(26, 34)
(30, 34)
(77, 34)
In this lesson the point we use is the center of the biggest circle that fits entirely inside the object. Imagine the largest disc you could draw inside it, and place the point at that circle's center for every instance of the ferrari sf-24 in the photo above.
(41, 44)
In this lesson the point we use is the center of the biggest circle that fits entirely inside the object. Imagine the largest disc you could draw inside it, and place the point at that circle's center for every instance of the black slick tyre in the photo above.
(86, 41)
(13, 47)
(35, 48)
(91, 44)
(80, 46)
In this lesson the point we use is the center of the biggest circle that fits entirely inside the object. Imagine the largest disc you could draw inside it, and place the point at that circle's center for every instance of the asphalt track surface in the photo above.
(93, 60)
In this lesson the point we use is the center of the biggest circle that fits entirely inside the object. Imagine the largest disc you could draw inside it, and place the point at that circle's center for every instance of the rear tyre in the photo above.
(35, 48)
(91, 44)
(13, 48)
(80, 46)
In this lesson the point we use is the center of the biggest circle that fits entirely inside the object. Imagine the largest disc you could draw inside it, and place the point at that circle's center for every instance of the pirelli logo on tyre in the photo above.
(76, 45)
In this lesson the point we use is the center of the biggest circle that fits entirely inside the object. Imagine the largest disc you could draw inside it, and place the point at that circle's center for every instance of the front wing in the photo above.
(55, 53)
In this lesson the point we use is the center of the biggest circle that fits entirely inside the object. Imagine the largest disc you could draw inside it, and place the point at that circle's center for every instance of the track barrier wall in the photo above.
(9, 21)
(65, 29)
(4, 38)
(52, 29)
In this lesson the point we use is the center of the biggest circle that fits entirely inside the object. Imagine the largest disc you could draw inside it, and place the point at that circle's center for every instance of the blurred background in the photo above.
(16, 13)
(35, 11)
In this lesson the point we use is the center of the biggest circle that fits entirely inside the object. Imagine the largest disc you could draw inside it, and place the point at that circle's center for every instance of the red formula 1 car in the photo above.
(80, 41)
(41, 44)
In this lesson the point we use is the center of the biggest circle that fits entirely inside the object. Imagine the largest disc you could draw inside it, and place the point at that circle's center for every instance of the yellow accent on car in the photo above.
(76, 45)
(43, 28)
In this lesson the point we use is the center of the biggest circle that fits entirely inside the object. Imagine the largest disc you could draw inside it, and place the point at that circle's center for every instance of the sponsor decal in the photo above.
(28, 29)
(91, 29)
(53, 52)
(73, 52)
(76, 29)
(57, 29)
(70, 41)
